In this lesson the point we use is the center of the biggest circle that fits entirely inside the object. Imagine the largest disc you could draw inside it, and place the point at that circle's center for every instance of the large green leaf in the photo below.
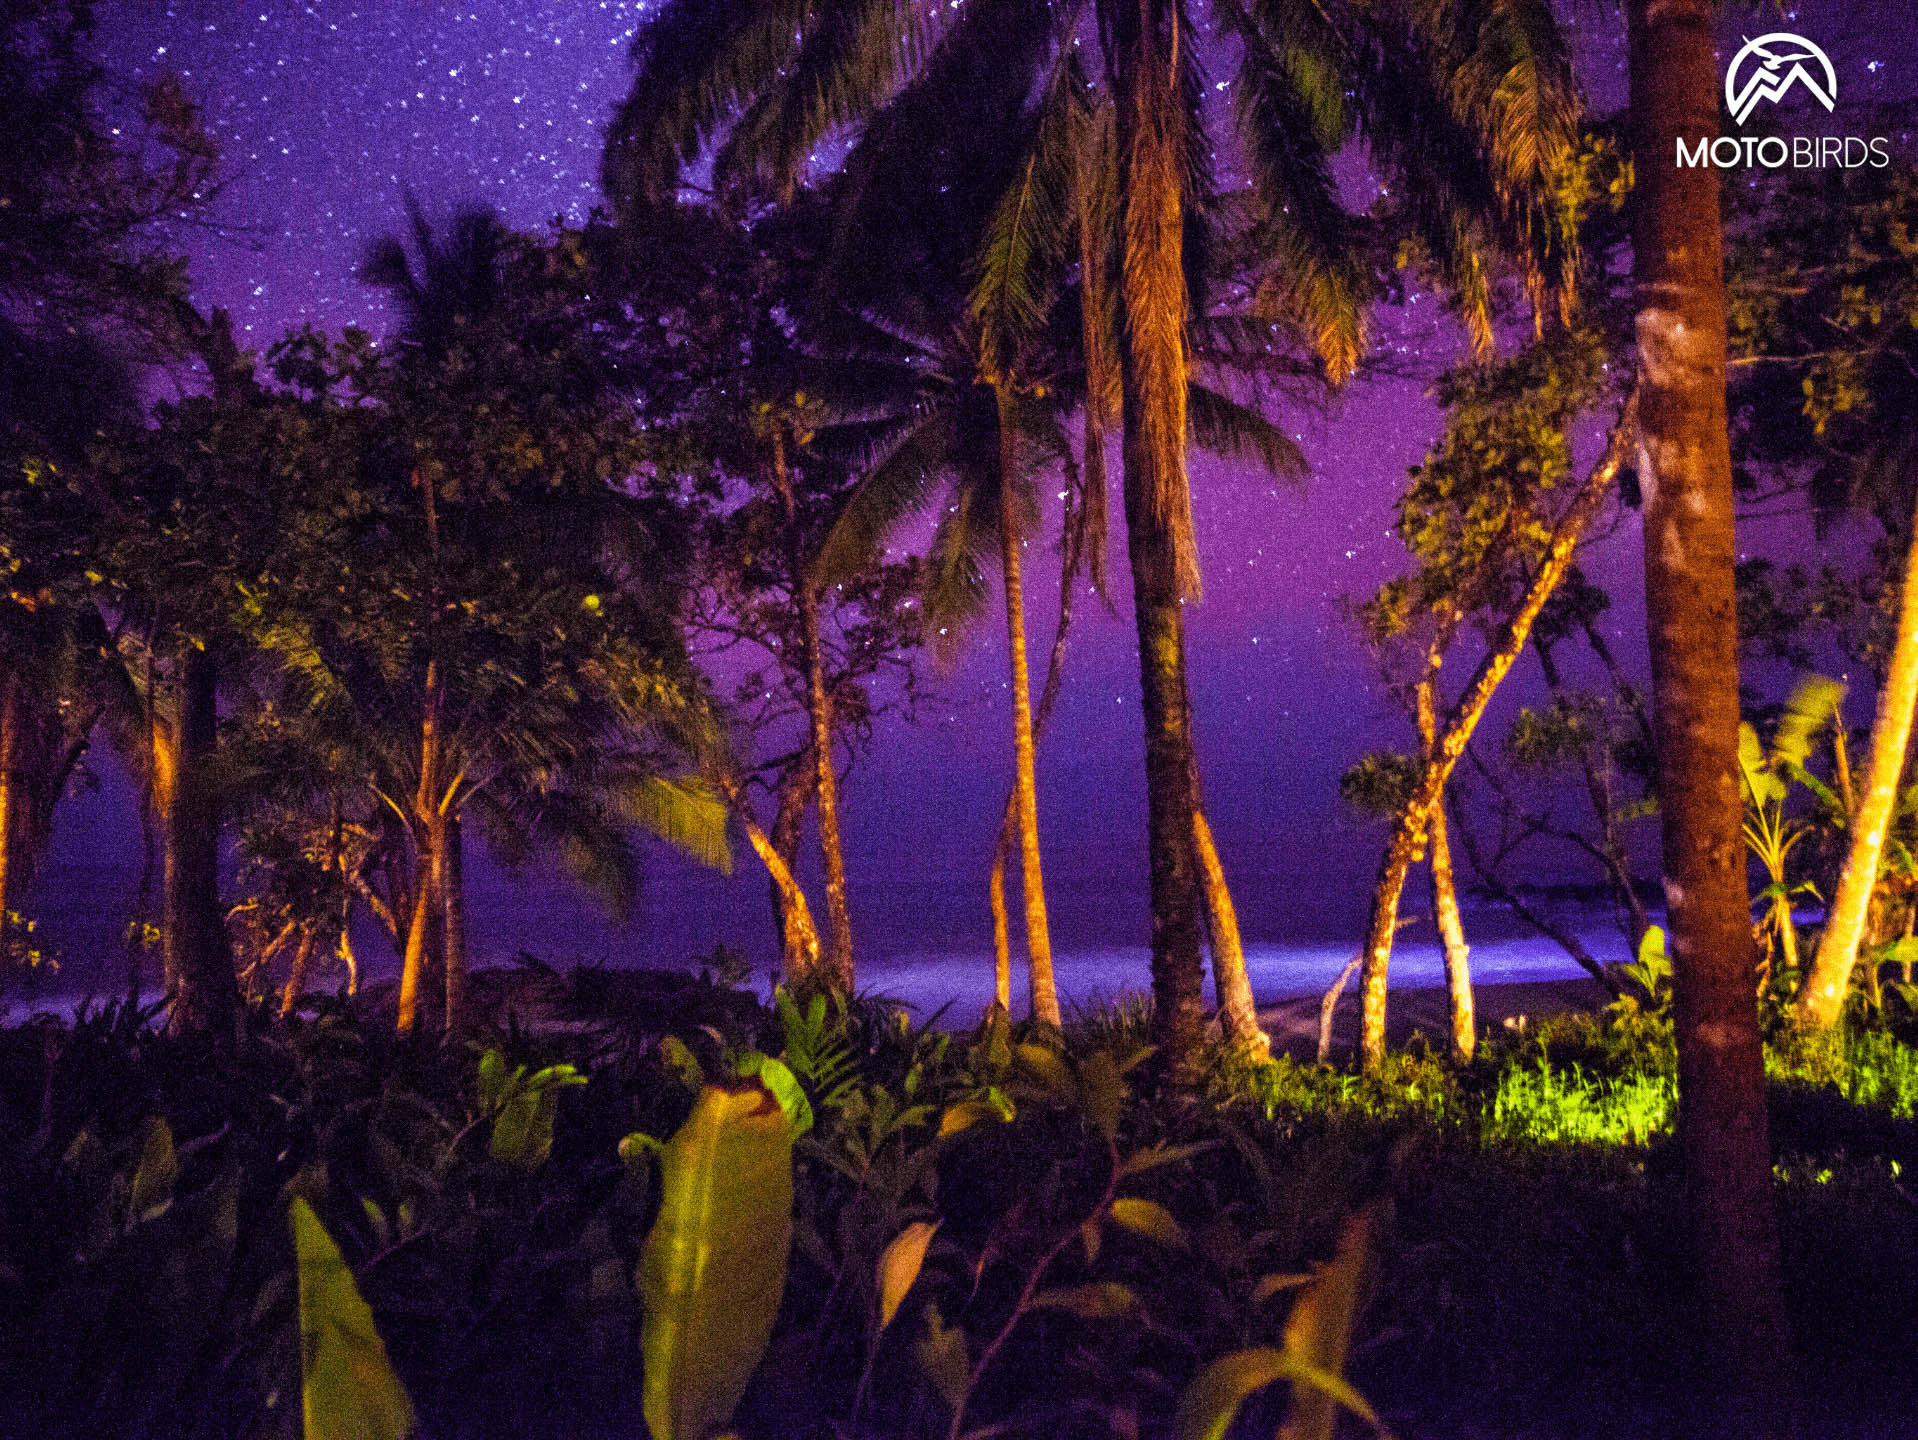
(714, 1266)
(348, 1388)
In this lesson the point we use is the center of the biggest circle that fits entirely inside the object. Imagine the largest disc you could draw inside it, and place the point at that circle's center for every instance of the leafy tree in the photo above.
(1466, 113)
(1494, 520)
(1824, 303)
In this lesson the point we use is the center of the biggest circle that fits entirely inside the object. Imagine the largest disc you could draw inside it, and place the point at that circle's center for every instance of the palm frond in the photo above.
(1222, 426)
(698, 63)
(894, 489)
(684, 811)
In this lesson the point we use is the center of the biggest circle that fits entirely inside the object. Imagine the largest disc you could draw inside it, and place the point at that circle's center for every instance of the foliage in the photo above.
(348, 1389)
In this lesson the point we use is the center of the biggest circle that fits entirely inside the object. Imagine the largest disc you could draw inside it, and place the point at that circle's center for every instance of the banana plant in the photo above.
(1765, 778)
(713, 1269)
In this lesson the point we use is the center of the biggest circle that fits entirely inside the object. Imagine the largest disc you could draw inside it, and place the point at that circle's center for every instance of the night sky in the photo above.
(327, 111)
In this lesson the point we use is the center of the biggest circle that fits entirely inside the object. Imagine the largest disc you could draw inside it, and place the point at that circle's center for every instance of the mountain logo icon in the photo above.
(1771, 65)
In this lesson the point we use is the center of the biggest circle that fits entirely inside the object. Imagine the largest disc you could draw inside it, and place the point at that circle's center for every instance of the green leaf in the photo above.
(899, 1266)
(1150, 1219)
(523, 1128)
(1153, 1156)
(1211, 1403)
(159, 1168)
(1318, 1333)
(778, 1077)
(682, 1062)
(945, 1359)
(1102, 1092)
(714, 1265)
(348, 1389)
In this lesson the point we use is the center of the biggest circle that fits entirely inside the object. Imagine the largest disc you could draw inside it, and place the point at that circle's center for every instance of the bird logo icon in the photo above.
(1780, 62)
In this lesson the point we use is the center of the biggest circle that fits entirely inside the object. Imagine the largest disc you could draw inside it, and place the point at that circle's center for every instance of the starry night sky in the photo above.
(327, 111)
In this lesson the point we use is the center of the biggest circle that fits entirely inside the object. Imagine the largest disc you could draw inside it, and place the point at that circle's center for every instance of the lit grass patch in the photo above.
(1544, 1105)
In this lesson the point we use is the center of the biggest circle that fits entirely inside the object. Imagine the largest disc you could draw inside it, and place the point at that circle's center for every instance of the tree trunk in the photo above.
(1032, 888)
(838, 970)
(1451, 927)
(11, 782)
(452, 888)
(1071, 551)
(799, 921)
(426, 866)
(1415, 820)
(1822, 999)
(789, 816)
(1153, 379)
(296, 973)
(1232, 986)
(201, 989)
(1684, 467)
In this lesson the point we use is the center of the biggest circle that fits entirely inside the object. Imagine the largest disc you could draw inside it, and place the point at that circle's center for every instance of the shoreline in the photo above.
(1292, 1023)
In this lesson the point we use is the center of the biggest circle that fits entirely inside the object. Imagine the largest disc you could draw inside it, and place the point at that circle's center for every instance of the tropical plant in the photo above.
(1469, 114)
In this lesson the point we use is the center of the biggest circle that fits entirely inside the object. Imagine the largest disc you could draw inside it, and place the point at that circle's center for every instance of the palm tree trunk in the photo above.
(413, 961)
(1231, 984)
(452, 888)
(201, 988)
(1044, 993)
(1684, 466)
(996, 901)
(1822, 999)
(804, 935)
(1153, 378)
(819, 711)
(1451, 928)
(1415, 820)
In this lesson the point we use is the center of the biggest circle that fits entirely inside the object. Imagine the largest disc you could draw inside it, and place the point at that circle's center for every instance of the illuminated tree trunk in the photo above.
(197, 958)
(838, 970)
(1414, 822)
(428, 899)
(1044, 993)
(1451, 927)
(1153, 379)
(1232, 986)
(1822, 999)
(789, 815)
(296, 973)
(1684, 467)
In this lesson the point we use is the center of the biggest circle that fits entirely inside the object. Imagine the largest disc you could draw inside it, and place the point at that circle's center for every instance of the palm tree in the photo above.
(1467, 111)
(1691, 618)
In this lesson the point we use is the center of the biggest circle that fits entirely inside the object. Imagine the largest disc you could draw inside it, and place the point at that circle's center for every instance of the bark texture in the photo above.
(196, 956)
(1685, 473)
(1232, 986)
(1451, 926)
(1153, 378)
(1822, 999)
(838, 966)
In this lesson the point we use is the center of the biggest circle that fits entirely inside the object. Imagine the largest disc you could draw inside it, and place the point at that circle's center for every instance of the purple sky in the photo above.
(327, 110)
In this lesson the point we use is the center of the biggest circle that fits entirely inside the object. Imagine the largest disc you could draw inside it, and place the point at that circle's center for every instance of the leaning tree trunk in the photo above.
(201, 989)
(789, 816)
(1684, 467)
(1415, 820)
(1153, 379)
(838, 970)
(1232, 986)
(1822, 999)
(1032, 886)
(1451, 927)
